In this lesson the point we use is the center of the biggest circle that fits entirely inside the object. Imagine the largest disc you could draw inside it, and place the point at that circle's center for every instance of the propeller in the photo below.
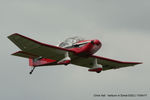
(92, 42)
(95, 42)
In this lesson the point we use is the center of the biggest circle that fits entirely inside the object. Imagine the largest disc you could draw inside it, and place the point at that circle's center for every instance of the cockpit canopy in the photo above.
(70, 41)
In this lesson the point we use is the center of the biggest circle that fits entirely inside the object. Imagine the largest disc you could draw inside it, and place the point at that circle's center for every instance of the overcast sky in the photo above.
(123, 27)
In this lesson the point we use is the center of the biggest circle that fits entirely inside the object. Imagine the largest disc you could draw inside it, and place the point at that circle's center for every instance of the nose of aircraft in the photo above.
(97, 42)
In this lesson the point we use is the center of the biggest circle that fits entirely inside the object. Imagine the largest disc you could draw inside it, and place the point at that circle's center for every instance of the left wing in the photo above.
(105, 62)
(32, 48)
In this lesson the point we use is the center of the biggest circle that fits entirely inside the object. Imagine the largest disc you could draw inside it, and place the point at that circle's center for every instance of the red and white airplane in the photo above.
(75, 50)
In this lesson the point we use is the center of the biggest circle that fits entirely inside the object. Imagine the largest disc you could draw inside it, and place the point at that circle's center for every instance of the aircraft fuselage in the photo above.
(86, 47)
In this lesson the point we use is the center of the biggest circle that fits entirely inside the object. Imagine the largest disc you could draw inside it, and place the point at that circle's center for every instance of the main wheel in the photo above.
(98, 71)
(65, 64)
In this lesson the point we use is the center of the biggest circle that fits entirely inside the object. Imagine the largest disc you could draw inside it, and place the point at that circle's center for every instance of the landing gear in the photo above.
(65, 60)
(96, 67)
(66, 64)
(98, 71)
(32, 70)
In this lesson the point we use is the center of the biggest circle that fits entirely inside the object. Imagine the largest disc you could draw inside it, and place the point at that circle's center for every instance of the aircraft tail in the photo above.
(31, 62)
(34, 60)
(40, 61)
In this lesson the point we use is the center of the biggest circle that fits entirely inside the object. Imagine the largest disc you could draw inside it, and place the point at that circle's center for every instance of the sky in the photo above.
(123, 27)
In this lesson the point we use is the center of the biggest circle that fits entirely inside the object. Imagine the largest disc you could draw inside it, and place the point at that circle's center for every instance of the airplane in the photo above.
(73, 50)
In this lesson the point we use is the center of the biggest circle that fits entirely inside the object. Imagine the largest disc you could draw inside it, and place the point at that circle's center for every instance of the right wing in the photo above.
(107, 63)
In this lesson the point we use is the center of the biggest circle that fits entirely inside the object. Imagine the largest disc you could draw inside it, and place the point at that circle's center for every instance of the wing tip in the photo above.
(15, 52)
(139, 62)
(13, 35)
(134, 62)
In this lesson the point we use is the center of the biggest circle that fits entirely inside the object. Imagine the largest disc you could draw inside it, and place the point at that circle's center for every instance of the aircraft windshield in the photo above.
(70, 41)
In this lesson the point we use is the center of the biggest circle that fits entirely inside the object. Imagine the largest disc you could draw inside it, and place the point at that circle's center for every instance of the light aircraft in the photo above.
(74, 50)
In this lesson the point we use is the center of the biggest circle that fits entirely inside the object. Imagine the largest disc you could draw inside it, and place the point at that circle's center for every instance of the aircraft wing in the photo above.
(105, 62)
(32, 48)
